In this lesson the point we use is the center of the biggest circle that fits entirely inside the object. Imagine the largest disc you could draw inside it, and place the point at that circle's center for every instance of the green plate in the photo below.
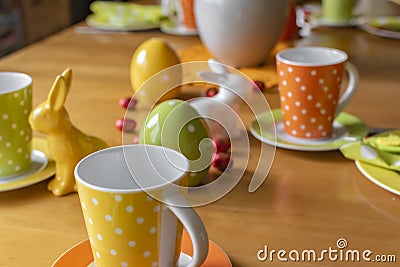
(388, 26)
(101, 24)
(347, 128)
(124, 16)
(385, 178)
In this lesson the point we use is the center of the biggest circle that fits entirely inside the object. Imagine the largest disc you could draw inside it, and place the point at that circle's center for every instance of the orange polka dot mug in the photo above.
(15, 131)
(180, 12)
(310, 81)
(133, 208)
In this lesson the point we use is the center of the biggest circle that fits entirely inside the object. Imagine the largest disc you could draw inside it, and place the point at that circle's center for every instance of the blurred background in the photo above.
(23, 22)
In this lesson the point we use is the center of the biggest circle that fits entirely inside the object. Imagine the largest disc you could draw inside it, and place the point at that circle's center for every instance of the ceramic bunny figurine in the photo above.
(67, 144)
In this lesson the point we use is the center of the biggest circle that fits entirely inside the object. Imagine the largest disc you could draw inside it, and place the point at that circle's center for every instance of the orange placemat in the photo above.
(265, 73)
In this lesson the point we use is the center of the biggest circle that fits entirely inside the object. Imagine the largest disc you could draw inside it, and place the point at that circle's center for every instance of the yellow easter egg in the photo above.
(151, 57)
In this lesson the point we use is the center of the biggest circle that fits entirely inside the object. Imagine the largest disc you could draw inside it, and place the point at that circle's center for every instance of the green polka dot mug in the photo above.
(133, 208)
(15, 131)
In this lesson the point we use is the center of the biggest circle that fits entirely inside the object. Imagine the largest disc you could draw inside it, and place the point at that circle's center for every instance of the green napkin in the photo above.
(123, 14)
(364, 152)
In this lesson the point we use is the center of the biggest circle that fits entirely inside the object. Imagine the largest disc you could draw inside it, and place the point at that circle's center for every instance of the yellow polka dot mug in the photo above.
(133, 208)
(310, 82)
(15, 131)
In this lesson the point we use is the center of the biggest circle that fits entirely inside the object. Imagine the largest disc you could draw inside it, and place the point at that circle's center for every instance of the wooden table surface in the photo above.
(308, 201)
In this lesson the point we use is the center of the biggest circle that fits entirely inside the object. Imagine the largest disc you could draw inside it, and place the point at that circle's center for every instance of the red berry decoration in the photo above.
(260, 85)
(211, 91)
(222, 145)
(125, 125)
(128, 103)
(222, 161)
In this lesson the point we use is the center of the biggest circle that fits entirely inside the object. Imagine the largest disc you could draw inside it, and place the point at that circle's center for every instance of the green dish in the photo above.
(124, 16)
(385, 178)
(384, 26)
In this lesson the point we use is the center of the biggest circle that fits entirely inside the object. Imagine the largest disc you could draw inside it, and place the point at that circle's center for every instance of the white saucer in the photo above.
(347, 128)
(170, 28)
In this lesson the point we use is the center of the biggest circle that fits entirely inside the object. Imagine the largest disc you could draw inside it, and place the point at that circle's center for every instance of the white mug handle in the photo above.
(351, 88)
(193, 225)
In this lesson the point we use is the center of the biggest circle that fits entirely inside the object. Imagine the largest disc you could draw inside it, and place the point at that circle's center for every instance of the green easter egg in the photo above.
(176, 124)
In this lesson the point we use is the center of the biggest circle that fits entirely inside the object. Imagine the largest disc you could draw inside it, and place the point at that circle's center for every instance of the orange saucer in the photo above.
(80, 255)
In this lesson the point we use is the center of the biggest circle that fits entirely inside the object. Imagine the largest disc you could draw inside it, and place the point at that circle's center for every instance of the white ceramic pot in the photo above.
(240, 33)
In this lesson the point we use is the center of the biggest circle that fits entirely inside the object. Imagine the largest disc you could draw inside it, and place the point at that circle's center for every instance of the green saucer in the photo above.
(42, 168)
(347, 128)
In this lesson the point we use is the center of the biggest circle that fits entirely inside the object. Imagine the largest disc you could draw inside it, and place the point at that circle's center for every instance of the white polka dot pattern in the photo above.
(15, 134)
(308, 97)
(123, 228)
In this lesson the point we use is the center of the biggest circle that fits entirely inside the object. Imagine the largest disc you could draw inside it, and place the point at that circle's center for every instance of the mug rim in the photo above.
(283, 56)
(23, 84)
(140, 188)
